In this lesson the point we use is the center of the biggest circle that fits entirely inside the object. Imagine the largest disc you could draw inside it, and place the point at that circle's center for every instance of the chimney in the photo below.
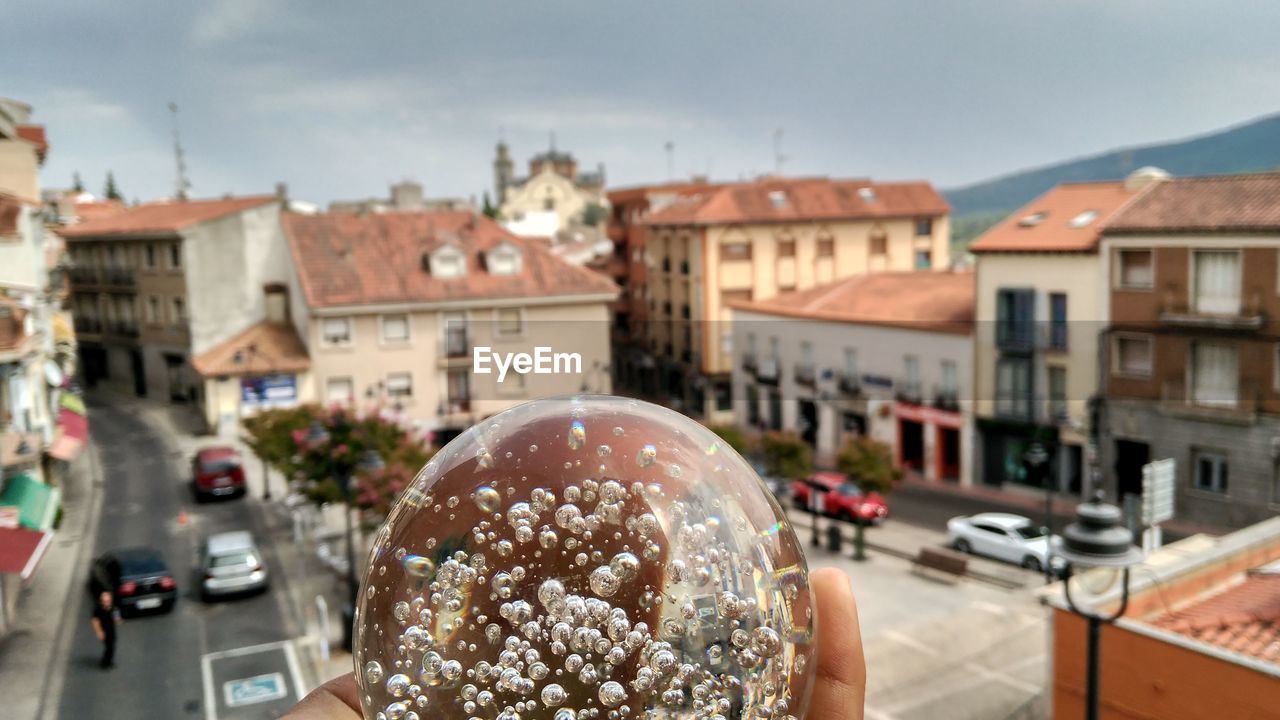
(282, 195)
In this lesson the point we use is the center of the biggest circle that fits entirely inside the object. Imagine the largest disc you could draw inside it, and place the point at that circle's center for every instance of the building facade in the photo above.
(752, 241)
(1040, 309)
(409, 313)
(1192, 353)
(554, 197)
(885, 355)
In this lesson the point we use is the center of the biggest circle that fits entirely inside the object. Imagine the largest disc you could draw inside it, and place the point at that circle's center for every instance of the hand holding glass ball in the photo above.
(595, 558)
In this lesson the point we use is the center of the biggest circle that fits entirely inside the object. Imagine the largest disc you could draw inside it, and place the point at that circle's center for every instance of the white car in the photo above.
(1007, 537)
(232, 564)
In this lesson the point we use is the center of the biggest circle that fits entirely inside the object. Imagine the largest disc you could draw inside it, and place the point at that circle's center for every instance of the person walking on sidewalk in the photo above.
(105, 618)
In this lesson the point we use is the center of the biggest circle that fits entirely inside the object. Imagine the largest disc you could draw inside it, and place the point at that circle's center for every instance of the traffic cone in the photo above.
(182, 517)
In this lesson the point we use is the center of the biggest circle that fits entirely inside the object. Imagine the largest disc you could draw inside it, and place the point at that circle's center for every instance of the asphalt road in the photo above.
(174, 665)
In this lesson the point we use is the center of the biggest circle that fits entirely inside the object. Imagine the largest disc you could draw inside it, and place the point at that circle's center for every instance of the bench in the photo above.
(941, 560)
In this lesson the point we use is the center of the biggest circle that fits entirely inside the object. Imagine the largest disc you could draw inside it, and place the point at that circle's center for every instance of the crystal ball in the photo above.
(585, 557)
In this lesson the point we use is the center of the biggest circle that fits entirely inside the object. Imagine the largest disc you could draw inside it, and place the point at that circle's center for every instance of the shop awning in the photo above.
(21, 550)
(73, 433)
(37, 503)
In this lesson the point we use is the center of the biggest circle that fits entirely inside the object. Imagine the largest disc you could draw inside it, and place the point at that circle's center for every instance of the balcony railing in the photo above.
(946, 399)
(124, 328)
(88, 325)
(118, 276)
(1247, 316)
(455, 344)
(1015, 336)
(909, 391)
(850, 385)
(84, 276)
(749, 362)
(1240, 402)
(804, 375)
(767, 371)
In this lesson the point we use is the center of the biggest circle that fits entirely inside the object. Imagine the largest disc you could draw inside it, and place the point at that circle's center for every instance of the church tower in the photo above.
(502, 173)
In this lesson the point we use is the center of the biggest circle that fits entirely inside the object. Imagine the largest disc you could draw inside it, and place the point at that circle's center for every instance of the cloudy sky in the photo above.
(339, 99)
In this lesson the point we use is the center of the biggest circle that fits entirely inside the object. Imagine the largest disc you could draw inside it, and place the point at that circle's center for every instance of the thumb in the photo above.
(841, 676)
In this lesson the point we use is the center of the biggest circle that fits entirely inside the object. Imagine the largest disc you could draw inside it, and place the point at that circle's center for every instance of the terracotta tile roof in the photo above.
(95, 209)
(348, 259)
(1249, 203)
(161, 218)
(35, 134)
(640, 192)
(802, 199)
(262, 348)
(1046, 223)
(938, 301)
(1243, 619)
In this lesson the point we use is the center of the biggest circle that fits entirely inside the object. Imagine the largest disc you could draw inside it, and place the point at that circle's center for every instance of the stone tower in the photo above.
(502, 173)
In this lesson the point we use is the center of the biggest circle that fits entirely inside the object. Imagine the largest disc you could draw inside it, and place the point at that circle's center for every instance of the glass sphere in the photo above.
(586, 557)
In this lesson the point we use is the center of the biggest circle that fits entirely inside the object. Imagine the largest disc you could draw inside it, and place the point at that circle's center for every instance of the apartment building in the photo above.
(751, 241)
(1192, 355)
(157, 284)
(1040, 310)
(407, 313)
(886, 355)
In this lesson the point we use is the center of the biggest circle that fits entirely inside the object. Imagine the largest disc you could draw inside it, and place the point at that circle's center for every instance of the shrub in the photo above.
(732, 436)
(869, 463)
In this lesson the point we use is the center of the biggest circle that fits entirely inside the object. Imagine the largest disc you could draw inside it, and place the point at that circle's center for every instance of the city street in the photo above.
(184, 663)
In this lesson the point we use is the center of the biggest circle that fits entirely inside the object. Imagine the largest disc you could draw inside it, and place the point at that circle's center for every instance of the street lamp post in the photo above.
(1098, 539)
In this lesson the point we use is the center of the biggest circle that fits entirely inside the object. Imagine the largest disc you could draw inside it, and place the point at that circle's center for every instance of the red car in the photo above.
(217, 471)
(840, 498)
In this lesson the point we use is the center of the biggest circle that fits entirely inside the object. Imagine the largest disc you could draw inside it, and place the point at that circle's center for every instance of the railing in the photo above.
(118, 276)
(946, 399)
(767, 371)
(1015, 336)
(850, 385)
(1246, 316)
(124, 328)
(909, 391)
(1014, 406)
(1241, 401)
(804, 375)
(459, 405)
(455, 344)
(88, 325)
(84, 276)
(749, 362)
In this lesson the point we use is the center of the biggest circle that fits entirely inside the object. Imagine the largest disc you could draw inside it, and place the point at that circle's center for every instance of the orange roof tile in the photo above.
(931, 300)
(1248, 203)
(35, 134)
(262, 348)
(639, 192)
(161, 218)
(95, 209)
(1243, 619)
(1053, 222)
(350, 259)
(802, 199)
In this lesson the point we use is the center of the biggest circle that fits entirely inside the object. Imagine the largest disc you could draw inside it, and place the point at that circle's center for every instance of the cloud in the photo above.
(226, 20)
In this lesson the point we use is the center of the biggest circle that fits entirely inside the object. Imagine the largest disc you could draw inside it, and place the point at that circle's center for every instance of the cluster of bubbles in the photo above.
(582, 559)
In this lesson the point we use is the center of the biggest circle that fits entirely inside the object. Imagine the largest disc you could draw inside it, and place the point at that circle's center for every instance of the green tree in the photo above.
(732, 436)
(112, 192)
(869, 463)
(593, 213)
(489, 209)
(77, 184)
(786, 454)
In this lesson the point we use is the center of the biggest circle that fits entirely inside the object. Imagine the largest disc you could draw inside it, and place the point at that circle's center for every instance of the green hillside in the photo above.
(1252, 147)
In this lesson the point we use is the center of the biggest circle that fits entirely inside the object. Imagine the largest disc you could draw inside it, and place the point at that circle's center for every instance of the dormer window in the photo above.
(1033, 219)
(447, 261)
(1084, 218)
(778, 199)
(867, 194)
(503, 260)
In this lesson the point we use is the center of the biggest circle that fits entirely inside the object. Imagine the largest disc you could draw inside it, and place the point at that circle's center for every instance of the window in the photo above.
(778, 199)
(879, 243)
(912, 365)
(1033, 219)
(455, 335)
(503, 260)
(153, 309)
(175, 255)
(1057, 393)
(1132, 356)
(510, 322)
(1217, 282)
(806, 354)
(400, 385)
(1215, 374)
(336, 331)
(773, 347)
(1135, 269)
(1210, 471)
(1084, 218)
(736, 251)
(459, 391)
(149, 256)
(1013, 387)
(447, 262)
(924, 226)
(924, 259)
(1058, 321)
(751, 344)
(395, 328)
(1015, 313)
(826, 247)
(179, 311)
(338, 390)
(950, 378)
(786, 248)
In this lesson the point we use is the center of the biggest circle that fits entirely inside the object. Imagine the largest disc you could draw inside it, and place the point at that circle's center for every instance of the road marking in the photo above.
(295, 671)
(206, 675)
(256, 689)
(206, 670)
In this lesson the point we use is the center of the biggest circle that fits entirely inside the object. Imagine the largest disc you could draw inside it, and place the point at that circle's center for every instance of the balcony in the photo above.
(1014, 406)
(749, 363)
(946, 399)
(1015, 337)
(850, 385)
(457, 348)
(767, 371)
(123, 328)
(118, 277)
(1239, 404)
(804, 375)
(84, 276)
(909, 392)
(88, 325)
(1244, 316)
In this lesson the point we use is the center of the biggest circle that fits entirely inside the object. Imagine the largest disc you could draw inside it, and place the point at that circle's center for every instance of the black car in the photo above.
(137, 578)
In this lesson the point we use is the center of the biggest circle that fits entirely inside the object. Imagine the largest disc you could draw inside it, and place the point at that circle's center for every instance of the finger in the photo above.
(841, 682)
(337, 699)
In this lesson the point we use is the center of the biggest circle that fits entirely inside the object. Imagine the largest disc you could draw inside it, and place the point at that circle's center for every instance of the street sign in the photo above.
(256, 689)
(1157, 491)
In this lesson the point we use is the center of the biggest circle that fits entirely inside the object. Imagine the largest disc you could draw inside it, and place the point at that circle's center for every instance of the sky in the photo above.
(341, 99)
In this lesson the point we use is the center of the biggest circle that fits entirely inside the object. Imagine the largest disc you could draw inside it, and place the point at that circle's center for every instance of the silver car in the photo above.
(232, 564)
(1007, 537)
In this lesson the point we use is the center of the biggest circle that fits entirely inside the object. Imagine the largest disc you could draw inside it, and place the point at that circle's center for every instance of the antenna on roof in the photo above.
(183, 185)
(671, 159)
(778, 157)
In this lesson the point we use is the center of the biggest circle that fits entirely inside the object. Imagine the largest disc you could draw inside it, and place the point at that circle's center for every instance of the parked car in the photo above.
(1007, 537)
(217, 472)
(841, 498)
(231, 564)
(137, 577)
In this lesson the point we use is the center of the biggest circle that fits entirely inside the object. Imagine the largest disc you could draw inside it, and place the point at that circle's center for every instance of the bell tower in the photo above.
(502, 172)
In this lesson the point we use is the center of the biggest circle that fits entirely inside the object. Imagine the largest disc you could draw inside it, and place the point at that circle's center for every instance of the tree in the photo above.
(786, 454)
(77, 185)
(869, 463)
(593, 213)
(112, 192)
(489, 209)
(732, 436)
